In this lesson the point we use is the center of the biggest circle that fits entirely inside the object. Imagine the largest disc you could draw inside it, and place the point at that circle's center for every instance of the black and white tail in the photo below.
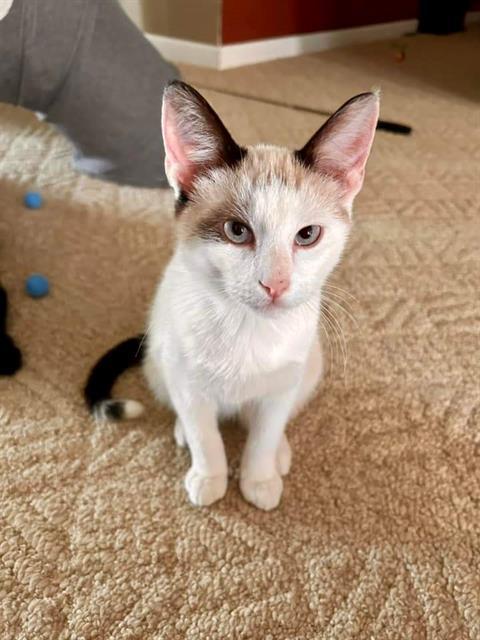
(98, 390)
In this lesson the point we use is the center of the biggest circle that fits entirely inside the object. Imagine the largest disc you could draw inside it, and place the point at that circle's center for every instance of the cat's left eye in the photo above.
(308, 236)
(237, 232)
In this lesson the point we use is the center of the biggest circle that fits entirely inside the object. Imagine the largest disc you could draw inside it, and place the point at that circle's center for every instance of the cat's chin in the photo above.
(272, 308)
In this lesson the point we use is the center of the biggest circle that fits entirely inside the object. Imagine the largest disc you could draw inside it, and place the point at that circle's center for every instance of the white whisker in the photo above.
(329, 346)
(341, 335)
(333, 339)
(342, 308)
(339, 296)
(333, 286)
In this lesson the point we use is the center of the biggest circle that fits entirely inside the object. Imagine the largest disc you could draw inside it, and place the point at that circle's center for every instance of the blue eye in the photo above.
(237, 232)
(308, 235)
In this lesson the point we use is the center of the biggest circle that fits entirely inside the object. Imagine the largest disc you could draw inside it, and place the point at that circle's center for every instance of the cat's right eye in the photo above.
(308, 236)
(237, 232)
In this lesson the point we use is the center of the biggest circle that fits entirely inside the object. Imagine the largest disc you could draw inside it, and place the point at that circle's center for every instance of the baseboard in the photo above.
(237, 55)
(176, 50)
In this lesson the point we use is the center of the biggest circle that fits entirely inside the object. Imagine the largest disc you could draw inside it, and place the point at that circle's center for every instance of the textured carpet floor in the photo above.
(378, 534)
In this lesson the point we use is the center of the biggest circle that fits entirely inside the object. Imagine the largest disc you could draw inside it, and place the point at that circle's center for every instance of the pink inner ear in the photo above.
(345, 152)
(353, 170)
(176, 151)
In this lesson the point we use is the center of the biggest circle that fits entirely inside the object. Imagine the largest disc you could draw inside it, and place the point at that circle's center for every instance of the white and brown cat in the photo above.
(234, 323)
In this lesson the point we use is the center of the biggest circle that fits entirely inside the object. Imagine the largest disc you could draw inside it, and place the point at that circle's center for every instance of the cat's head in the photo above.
(265, 224)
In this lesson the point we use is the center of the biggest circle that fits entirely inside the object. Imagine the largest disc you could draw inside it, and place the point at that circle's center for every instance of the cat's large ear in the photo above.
(195, 138)
(340, 148)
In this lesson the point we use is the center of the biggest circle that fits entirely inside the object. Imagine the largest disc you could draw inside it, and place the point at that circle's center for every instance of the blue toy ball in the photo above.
(37, 286)
(33, 200)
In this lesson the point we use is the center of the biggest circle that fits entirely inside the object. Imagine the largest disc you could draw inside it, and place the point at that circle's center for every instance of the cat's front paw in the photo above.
(204, 490)
(264, 494)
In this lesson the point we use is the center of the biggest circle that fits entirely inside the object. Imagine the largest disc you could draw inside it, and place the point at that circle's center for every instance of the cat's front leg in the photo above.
(206, 480)
(260, 475)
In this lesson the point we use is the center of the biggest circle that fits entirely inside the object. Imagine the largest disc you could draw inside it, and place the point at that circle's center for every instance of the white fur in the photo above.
(215, 348)
(131, 409)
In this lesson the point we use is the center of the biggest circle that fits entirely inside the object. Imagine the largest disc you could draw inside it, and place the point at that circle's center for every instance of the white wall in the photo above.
(134, 10)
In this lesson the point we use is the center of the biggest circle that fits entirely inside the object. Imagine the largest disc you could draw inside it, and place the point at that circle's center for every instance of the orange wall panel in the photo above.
(245, 20)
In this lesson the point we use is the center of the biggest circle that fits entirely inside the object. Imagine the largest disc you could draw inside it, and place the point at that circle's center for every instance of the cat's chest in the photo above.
(250, 361)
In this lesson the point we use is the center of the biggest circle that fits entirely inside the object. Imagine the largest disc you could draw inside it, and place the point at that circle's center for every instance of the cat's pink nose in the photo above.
(275, 288)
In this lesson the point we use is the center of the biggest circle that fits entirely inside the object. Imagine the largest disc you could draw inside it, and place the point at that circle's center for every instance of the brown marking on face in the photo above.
(211, 227)
(266, 165)
(213, 204)
(217, 197)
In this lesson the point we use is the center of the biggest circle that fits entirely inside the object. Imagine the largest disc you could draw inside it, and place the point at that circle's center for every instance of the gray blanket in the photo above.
(93, 74)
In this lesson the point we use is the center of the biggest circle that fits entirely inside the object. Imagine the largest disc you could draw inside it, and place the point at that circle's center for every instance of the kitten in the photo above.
(234, 323)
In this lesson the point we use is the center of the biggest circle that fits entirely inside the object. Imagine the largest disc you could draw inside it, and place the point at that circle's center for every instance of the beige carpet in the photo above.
(378, 532)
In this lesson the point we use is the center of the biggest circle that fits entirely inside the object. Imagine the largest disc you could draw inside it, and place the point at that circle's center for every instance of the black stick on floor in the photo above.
(10, 355)
(384, 125)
